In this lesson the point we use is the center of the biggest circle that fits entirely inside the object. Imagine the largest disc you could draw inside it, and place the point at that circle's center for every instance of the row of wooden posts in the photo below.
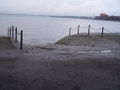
(13, 35)
(89, 27)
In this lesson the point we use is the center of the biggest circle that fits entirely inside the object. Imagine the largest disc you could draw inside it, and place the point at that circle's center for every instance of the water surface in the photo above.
(43, 29)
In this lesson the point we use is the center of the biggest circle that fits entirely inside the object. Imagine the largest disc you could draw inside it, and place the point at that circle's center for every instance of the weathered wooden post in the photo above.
(88, 30)
(15, 34)
(10, 32)
(102, 32)
(13, 31)
(21, 40)
(78, 29)
(69, 31)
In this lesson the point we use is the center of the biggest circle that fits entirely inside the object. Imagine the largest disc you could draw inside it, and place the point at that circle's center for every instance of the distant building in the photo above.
(103, 15)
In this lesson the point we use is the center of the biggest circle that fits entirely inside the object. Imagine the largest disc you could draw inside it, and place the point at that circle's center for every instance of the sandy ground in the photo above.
(61, 67)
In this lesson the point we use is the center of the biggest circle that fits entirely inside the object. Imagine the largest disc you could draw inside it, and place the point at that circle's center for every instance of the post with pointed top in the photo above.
(102, 32)
(69, 31)
(89, 30)
(13, 31)
(15, 34)
(78, 32)
(21, 40)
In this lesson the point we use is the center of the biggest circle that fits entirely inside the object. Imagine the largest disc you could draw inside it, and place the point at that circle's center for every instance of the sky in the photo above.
(61, 7)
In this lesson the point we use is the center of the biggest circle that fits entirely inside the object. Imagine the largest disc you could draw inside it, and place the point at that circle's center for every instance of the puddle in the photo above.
(106, 51)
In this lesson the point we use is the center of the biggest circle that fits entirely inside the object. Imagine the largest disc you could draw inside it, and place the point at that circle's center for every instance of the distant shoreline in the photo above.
(72, 17)
(83, 17)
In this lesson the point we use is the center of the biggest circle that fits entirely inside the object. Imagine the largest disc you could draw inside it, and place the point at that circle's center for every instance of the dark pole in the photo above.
(10, 32)
(88, 30)
(102, 32)
(16, 34)
(13, 31)
(78, 29)
(21, 40)
(69, 31)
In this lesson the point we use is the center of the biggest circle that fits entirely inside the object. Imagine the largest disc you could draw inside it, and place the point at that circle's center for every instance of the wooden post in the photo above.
(102, 32)
(21, 40)
(78, 29)
(88, 30)
(13, 31)
(10, 32)
(15, 34)
(69, 31)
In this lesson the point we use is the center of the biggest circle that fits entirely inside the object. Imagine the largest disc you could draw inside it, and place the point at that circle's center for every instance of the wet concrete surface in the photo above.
(59, 68)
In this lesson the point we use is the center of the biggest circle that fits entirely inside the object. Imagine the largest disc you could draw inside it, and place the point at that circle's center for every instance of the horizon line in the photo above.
(40, 14)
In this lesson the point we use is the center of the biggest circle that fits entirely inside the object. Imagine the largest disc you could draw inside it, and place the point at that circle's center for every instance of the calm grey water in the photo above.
(43, 30)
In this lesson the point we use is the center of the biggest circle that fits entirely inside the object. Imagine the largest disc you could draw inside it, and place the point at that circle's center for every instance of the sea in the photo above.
(45, 29)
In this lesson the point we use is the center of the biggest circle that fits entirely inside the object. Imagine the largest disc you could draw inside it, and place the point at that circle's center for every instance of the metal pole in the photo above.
(69, 31)
(88, 30)
(21, 40)
(102, 32)
(10, 32)
(15, 34)
(13, 31)
(78, 29)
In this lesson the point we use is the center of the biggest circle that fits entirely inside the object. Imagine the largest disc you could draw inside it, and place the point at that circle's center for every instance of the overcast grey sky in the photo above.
(61, 7)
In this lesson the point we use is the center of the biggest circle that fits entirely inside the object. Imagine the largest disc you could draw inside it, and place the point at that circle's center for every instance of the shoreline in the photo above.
(85, 39)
